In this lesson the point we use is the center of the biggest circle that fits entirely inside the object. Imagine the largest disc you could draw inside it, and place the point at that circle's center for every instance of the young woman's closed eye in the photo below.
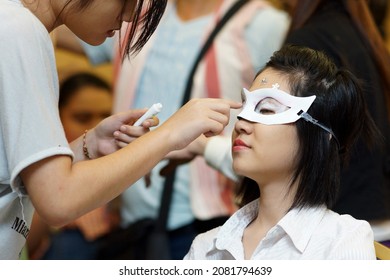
(270, 106)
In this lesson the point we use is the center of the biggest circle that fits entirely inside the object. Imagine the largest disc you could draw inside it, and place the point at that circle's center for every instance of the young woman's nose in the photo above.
(243, 126)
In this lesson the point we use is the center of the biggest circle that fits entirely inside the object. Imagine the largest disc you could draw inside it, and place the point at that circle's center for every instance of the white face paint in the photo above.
(271, 106)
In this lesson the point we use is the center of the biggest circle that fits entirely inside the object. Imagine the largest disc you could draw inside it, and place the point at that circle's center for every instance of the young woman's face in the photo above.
(265, 152)
(84, 110)
(99, 20)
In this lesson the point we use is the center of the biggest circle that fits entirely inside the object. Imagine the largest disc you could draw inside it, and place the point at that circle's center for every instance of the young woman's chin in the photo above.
(239, 169)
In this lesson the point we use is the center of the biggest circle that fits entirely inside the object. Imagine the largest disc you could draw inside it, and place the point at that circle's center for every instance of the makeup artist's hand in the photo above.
(116, 131)
(207, 116)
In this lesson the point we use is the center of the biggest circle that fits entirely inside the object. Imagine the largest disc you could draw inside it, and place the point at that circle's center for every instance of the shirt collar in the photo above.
(230, 234)
(297, 219)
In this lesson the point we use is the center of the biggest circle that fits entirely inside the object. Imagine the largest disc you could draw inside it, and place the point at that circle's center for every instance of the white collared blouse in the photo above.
(306, 234)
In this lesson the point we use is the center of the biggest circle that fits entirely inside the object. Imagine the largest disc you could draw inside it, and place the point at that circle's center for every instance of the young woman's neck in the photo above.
(192, 9)
(274, 202)
(45, 11)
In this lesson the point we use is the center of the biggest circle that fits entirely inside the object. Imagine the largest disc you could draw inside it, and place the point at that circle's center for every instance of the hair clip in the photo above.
(276, 86)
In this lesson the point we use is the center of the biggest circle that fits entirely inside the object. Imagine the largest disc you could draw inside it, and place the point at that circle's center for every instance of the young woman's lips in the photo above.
(239, 145)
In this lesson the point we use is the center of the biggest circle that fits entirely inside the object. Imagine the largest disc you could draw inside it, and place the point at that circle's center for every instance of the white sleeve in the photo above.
(30, 125)
(218, 155)
(357, 245)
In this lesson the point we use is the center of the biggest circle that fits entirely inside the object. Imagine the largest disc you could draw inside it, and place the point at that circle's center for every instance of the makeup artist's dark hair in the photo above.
(144, 23)
(339, 105)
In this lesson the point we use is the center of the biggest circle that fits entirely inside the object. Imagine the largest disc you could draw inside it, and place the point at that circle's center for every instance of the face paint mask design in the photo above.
(272, 106)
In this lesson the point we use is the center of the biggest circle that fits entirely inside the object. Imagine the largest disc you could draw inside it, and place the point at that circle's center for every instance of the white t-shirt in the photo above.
(326, 236)
(30, 127)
